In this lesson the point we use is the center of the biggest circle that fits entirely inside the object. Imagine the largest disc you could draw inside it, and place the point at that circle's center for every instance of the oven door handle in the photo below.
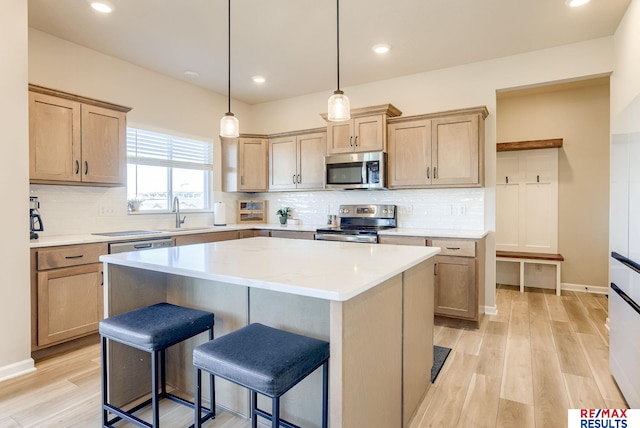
(625, 297)
(345, 238)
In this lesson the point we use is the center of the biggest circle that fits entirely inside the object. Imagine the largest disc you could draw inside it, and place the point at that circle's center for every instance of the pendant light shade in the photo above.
(338, 108)
(229, 124)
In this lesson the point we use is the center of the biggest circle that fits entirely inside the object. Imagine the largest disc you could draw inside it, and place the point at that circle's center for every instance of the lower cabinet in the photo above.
(67, 295)
(293, 234)
(458, 271)
(455, 287)
(201, 238)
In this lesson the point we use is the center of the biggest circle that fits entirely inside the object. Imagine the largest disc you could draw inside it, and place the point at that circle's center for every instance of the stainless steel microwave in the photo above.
(356, 171)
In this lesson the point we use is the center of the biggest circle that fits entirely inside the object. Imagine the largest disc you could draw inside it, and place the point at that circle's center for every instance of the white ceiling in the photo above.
(293, 42)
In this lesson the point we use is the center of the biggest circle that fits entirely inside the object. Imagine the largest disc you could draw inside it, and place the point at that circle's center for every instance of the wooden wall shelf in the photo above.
(554, 143)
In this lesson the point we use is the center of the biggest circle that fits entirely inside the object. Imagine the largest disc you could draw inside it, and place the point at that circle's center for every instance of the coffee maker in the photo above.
(35, 221)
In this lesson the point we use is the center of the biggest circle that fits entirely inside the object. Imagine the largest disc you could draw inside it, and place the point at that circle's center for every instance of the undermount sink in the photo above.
(129, 233)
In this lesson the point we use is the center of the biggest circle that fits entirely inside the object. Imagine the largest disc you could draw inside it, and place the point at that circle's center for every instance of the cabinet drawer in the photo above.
(72, 255)
(455, 247)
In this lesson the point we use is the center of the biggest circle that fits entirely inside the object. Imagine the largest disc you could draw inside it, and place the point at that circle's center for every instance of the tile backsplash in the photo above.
(79, 210)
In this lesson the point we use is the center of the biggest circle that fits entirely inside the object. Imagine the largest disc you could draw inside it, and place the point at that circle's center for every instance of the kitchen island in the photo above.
(373, 303)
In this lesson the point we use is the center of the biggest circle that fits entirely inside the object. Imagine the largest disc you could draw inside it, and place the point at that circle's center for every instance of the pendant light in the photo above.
(229, 125)
(338, 106)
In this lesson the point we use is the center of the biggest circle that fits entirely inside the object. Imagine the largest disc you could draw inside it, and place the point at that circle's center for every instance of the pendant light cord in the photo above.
(338, 41)
(229, 58)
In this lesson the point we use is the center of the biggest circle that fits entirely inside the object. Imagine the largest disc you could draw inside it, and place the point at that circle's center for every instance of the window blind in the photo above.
(154, 149)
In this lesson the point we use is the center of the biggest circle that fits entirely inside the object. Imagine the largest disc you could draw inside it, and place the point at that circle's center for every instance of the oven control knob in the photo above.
(385, 211)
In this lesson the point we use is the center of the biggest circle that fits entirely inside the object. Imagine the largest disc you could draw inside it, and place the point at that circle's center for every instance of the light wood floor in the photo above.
(524, 367)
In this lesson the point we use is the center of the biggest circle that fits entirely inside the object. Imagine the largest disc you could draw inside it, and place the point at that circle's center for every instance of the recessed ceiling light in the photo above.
(101, 7)
(381, 48)
(259, 79)
(576, 3)
(191, 74)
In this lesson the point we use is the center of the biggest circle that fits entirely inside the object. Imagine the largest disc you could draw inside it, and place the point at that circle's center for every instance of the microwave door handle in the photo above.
(365, 178)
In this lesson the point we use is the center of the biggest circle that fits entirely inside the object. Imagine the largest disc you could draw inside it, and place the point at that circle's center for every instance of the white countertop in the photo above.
(88, 238)
(322, 269)
(50, 241)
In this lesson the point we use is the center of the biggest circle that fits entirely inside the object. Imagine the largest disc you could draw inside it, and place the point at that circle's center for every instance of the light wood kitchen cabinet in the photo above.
(66, 293)
(439, 150)
(245, 164)
(292, 234)
(459, 274)
(366, 131)
(75, 140)
(459, 278)
(297, 161)
(201, 238)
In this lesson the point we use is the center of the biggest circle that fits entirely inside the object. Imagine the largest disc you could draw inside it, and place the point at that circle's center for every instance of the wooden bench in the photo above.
(534, 258)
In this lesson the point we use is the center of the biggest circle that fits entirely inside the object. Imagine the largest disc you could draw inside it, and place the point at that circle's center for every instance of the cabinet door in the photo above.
(54, 138)
(455, 150)
(283, 172)
(103, 145)
(201, 238)
(311, 149)
(340, 137)
(409, 154)
(455, 287)
(253, 163)
(369, 133)
(69, 302)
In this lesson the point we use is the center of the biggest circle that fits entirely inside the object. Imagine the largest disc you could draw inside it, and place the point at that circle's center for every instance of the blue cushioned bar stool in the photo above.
(264, 360)
(152, 329)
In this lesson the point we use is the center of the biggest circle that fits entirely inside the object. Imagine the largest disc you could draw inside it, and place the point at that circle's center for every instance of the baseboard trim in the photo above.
(17, 369)
(491, 310)
(594, 289)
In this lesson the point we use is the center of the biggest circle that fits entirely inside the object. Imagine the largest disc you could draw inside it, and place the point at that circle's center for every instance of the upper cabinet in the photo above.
(439, 150)
(75, 140)
(244, 164)
(296, 161)
(366, 131)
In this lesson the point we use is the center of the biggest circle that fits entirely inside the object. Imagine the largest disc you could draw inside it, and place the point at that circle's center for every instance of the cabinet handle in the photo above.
(242, 180)
(428, 168)
(435, 172)
(74, 257)
(298, 178)
(293, 179)
(506, 179)
(538, 178)
(435, 270)
(452, 248)
(86, 167)
(77, 166)
(356, 141)
(351, 141)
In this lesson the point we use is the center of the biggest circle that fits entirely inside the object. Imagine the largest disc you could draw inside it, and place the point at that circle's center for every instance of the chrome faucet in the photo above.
(176, 209)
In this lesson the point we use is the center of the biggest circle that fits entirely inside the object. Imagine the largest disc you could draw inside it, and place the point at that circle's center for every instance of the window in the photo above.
(161, 166)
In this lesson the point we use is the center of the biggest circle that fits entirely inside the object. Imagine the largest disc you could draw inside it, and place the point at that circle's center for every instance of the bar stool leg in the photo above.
(154, 389)
(198, 398)
(254, 405)
(212, 387)
(275, 413)
(105, 413)
(325, 394)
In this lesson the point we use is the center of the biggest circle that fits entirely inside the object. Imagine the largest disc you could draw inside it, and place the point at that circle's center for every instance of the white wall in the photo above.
(625, 81)
(15, 335)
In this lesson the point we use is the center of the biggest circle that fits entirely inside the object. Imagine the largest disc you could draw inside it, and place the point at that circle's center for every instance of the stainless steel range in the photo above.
(359, 223)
